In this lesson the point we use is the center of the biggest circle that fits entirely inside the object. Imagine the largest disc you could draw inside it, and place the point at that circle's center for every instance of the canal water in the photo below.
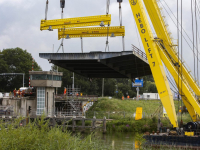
(116, 141)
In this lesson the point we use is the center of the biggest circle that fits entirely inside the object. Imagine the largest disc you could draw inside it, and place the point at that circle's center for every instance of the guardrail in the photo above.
(75, 97)
(139, 52)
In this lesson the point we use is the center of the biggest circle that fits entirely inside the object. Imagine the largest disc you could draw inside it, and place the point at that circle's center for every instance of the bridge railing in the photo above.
(139, 52)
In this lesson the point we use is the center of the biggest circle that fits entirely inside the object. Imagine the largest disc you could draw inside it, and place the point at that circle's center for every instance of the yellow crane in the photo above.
(161, 49)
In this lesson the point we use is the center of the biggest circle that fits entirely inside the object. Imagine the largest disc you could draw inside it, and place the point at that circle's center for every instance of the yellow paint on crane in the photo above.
(91, 32)
(190, 108)
(75, 22)
(153, 56)
(163, 34)
(185, 89)
(138, 114)
(189, 133)
(164, 112)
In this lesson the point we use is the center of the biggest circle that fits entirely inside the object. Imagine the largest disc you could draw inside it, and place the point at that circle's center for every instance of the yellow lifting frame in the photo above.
(91, 32)
(75, 22)
(186, 92)
(153, 56)
(162, 33)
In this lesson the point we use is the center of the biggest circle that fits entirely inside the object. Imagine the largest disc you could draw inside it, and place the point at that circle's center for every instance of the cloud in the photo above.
(4, 41)
(20, 26)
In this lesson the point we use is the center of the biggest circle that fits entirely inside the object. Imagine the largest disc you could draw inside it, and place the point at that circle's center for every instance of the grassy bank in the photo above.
(122, 113)
(36, 136)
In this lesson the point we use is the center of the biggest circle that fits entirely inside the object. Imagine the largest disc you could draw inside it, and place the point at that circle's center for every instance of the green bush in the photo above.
(38, 136)
(131, 125)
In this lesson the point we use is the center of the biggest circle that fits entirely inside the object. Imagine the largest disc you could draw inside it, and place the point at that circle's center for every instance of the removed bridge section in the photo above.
(125, 64)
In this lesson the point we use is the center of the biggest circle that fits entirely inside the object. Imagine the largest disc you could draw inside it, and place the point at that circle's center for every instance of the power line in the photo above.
(193, 37)
(196, 39)
(181, 51)
(178, 54)
(178, 29)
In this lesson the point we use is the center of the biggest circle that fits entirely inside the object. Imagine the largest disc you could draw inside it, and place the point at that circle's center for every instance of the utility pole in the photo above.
(73, 84)
(56, 87)
(103, 87)
(137, 89)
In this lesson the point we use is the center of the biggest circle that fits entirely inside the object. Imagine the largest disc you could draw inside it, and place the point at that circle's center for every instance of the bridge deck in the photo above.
(125, 64)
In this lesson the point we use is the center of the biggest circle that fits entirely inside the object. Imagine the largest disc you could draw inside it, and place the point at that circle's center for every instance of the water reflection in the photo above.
(118, 141)
(115, 141)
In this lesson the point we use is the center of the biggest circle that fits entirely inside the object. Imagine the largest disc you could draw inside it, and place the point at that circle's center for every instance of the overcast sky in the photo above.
(20, 26)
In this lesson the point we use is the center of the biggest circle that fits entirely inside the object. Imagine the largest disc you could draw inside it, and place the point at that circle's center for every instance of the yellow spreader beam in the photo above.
(91, 32)
(75, 22)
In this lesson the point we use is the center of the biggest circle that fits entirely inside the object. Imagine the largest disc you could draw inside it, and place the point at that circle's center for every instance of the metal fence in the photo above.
(109, 114)
(139, 52)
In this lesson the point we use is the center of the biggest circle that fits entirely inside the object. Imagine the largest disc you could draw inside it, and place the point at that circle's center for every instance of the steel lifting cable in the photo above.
(181, 54)
(107, 8)
(178, 55)
(197, 77)
(81, 44)
(178, 24)
(193, 38)
(197, 5)
(171, 82)
(120, 21)
(46, 9)
(61, 44)
(107, 12)
(198, 36)
(107, 46)
(62, 5)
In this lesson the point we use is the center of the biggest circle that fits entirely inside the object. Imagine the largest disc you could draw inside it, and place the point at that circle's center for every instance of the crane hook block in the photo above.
(119, 1)
(62, 3)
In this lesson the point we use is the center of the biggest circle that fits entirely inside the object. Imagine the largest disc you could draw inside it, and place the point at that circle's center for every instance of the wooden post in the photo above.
(73, 124)
(83, 124)
(104, 125)
(63, 125)
(94, 122)
(27, 116)
(54, 121)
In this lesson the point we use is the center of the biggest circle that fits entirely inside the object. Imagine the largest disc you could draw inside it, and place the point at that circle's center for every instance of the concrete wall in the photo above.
(46, 72)
(20, 105)
(49, 100)
(151, 96)
(45, 83)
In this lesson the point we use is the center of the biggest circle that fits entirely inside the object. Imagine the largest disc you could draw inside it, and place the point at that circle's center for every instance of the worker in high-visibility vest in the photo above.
(65, 91)
(19, 93)
(14, 92)
(23, 93)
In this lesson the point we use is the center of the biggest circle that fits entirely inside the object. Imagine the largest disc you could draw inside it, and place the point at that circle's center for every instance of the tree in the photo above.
(109, 87)
(94, 86)
(15, 60)
(152, 88)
